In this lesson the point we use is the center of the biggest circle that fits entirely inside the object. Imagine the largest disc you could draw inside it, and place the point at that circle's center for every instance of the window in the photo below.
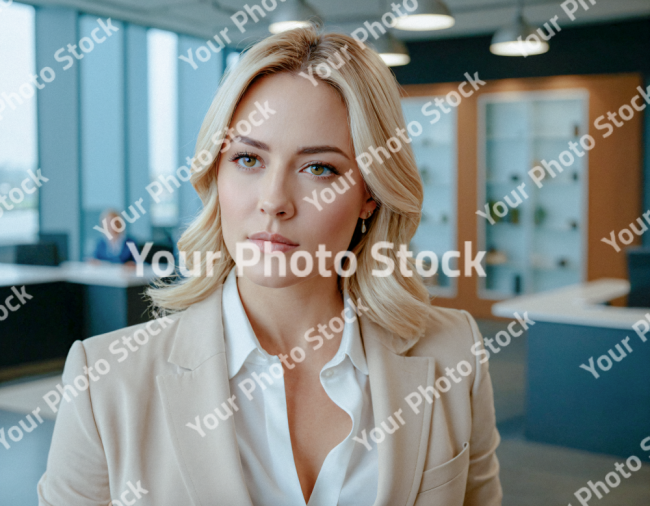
(163, 122)
(18, 137)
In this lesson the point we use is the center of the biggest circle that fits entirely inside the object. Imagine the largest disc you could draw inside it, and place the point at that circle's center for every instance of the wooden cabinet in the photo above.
(505, 129)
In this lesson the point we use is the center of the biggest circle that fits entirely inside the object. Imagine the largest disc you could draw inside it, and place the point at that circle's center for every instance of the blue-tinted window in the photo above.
(18, 132)
(163, 121)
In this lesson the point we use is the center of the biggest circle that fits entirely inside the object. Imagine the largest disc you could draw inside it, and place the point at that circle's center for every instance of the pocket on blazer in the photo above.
(444, 473)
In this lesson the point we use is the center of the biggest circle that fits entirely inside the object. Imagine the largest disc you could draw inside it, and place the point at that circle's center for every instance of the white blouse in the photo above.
(349, 474)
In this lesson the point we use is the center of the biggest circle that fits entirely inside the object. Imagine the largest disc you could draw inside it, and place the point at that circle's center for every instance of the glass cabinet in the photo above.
(534, 236)
(435, 154)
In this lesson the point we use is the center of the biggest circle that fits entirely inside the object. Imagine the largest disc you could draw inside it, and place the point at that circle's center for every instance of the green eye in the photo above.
(248, 161)
(319, 170)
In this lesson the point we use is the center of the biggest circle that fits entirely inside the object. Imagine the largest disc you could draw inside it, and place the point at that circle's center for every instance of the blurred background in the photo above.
(101, 102)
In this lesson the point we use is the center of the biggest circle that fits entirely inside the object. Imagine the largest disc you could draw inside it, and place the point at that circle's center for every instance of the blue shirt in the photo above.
(118, 253)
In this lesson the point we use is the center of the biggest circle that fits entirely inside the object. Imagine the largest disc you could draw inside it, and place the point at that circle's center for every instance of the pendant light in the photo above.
(428, 15)
(392, 51)
(290, 15)
(514, 39)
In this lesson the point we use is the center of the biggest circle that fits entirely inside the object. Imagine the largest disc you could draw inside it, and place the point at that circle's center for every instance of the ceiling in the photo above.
(204, 18)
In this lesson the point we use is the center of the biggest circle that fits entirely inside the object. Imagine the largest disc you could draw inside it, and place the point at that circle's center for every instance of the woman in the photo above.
(255, 391)
(114, 249)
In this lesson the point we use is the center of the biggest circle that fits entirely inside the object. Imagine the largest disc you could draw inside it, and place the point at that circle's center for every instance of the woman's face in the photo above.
(109, 219)
(302, 147)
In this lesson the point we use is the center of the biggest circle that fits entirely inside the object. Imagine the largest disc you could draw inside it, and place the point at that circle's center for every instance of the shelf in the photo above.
(519, 131)
(548, 181)
(555, 268)
(557, 229)
(504, 223)
(505, 138)
(554, 137)
(495, 182)
(507, 265)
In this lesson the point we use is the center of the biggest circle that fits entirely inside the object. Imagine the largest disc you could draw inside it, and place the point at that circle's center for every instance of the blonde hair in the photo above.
(367, 86)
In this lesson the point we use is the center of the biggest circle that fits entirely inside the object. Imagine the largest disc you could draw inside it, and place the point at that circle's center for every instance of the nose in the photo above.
(275, 198)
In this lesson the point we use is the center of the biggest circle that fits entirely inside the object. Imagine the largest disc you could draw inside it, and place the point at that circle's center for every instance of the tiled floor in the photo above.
(532, 474)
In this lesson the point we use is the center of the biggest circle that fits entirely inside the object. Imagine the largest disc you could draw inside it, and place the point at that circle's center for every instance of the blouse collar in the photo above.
(242, 344)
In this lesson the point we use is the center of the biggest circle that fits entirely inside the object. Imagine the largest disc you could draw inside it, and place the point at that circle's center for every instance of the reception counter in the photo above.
(83, 273)
(62, 304)
(603, 406)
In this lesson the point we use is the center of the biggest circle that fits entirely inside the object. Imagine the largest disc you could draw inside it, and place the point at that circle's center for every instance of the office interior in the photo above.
(109, 123)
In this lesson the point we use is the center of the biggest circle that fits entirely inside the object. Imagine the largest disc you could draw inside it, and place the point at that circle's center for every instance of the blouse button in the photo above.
(329, 373)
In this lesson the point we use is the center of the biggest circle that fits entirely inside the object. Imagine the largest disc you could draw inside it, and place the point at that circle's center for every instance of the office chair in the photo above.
(44, 253)
(61, 241)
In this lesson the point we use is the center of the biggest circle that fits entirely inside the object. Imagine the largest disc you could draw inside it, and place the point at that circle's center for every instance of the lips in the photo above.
(276, 242)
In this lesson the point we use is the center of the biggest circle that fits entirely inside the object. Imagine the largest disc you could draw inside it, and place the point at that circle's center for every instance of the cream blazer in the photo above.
(127, 432)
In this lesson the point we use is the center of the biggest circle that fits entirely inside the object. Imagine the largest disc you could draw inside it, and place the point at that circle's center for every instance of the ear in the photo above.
(367, 208)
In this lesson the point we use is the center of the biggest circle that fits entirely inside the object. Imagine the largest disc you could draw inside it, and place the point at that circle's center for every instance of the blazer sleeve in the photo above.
(77, 471)
(483, 485)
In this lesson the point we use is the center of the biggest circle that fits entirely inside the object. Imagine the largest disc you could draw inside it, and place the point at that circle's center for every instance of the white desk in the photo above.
(581, 304)
(83, 273)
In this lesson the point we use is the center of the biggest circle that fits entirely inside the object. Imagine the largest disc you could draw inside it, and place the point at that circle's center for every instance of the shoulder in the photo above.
(139, 347)
(451, 336)
(447, 328)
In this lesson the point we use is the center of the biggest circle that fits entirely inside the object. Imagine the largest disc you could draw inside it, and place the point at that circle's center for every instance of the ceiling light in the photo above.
(290, 15)
(511, 40)
(392, 51)
(428, 15)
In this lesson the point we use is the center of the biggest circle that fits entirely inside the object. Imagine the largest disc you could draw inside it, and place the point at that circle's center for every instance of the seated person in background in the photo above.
(115, 249)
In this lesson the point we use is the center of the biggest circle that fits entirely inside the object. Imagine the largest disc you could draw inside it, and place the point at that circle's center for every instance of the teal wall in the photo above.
(58, 129)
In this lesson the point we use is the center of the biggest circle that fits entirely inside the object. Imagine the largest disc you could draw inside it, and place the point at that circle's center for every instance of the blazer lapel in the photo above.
(392, 378)
(209, 464)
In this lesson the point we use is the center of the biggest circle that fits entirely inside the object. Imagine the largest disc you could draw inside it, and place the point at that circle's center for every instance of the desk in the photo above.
(568, 405)
(72, 301)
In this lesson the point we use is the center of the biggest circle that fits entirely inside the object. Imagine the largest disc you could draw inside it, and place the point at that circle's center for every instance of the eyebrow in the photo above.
(308, 150)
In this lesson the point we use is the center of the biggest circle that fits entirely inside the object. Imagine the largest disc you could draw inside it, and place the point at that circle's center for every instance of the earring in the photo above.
(363, 223)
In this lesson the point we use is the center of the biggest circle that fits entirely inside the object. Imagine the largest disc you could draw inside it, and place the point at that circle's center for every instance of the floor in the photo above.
(532, 474)
(22, 465)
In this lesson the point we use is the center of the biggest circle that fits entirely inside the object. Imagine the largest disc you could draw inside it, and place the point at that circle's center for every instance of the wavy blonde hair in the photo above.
(371, 93)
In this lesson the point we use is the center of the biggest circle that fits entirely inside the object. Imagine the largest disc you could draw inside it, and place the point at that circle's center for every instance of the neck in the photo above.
(280, 317)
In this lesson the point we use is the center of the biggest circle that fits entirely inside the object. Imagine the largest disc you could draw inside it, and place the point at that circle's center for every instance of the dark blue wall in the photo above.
(593, 49)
